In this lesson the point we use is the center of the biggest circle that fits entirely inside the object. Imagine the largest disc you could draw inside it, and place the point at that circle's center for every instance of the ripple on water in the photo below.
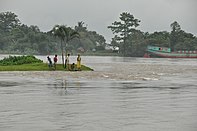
(110, 98)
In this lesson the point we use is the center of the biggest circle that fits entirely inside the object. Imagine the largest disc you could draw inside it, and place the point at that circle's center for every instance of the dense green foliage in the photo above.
(22, 39)
(19, 60)
(133, 42)
(126, 30)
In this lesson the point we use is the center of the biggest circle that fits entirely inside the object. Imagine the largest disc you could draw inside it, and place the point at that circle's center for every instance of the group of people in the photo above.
(68, 66)
(50, 64)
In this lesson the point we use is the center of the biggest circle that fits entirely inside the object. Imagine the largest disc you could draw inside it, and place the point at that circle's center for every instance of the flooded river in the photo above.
(121, 94)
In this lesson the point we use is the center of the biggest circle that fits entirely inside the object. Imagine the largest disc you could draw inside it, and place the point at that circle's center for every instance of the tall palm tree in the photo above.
(65, 34)
(70, 34)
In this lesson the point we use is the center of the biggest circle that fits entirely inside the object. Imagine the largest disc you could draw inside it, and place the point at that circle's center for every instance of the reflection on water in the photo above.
(54, 103)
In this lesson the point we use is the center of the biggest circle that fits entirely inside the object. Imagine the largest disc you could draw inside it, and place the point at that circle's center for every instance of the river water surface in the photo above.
(121, 94)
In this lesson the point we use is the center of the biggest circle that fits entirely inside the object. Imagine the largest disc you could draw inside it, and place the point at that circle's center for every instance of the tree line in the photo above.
(19, 38)
(133, 42)
(16, 37)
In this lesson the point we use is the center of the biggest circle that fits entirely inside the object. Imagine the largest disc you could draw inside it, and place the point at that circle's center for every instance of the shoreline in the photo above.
(40, 67)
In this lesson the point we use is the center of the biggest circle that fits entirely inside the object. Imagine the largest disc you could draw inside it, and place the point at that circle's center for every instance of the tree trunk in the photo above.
(66, 53)
(124, 46)
(62, 53)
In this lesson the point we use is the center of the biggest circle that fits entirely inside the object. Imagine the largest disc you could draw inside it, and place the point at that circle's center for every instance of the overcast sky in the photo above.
(155, 15)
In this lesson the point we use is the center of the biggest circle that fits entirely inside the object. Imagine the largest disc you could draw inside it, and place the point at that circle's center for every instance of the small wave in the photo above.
(149, 79)
(7, 84)
(160, 74)
(105, 76)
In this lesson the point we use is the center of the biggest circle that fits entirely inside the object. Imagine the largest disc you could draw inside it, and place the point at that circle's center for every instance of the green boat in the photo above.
(164, 52)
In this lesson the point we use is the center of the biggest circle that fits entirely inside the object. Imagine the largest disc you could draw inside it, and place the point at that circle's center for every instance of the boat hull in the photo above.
(157, 54)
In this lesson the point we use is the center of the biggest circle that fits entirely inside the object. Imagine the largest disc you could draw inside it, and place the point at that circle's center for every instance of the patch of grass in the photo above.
(30, 63)
(37, 67)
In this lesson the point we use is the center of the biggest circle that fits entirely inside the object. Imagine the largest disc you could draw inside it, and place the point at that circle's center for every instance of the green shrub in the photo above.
(19, 60)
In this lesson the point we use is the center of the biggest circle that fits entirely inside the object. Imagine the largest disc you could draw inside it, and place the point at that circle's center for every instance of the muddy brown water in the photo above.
(122, 94)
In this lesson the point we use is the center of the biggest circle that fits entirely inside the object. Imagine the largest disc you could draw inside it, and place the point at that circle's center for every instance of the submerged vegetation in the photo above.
(30, 63)
(19, 38)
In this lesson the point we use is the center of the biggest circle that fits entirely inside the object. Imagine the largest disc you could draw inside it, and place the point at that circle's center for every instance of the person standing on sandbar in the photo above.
(55, 61)
(79, 62)
(67, 62)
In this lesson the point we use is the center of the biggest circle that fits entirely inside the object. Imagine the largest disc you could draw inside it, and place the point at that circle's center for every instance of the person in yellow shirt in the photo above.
(78, 62)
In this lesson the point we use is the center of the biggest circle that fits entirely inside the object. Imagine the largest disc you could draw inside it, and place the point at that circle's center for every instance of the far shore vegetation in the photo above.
(128, 40)
(31, 63)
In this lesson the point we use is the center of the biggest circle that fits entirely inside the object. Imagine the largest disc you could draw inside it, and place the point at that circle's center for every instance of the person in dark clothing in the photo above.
(50, 62)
